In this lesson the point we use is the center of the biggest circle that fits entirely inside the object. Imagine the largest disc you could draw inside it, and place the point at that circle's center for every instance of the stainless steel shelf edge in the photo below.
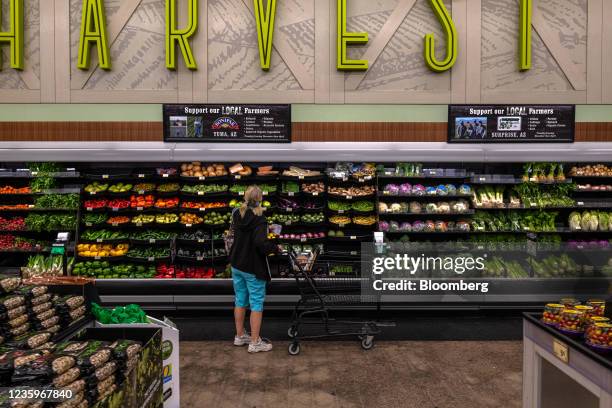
(302, 151)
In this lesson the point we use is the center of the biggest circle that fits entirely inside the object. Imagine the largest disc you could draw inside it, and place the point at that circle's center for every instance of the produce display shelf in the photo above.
(301, 179)
(592, 177)
(35, 209)
(24, 251)
(350, 238)
(383, 176)
(425, 214)
(478, 179)
(582, 190)
(207, 260)
(104, 241)
(31, 175)
(351, 198)
(204, 195)
(383, 194)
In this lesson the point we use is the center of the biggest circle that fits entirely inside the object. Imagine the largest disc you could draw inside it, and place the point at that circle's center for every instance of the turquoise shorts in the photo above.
(250, 291)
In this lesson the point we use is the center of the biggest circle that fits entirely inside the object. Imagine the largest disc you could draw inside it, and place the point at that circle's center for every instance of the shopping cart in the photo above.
(318, 294)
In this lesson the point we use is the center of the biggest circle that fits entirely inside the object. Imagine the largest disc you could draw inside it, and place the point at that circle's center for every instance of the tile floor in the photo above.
(408, 374)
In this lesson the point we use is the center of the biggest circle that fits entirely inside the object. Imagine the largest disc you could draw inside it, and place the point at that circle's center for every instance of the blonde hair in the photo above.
(252, 199)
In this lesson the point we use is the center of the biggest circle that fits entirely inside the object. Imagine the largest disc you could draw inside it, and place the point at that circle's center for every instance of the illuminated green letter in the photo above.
(93, 31)
(525, 37)
(451, 40)
(265, 30)
(345, 38)
(14, 36)
(174, 35)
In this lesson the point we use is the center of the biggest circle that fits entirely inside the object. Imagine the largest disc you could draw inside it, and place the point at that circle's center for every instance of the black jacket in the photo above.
(251, 246)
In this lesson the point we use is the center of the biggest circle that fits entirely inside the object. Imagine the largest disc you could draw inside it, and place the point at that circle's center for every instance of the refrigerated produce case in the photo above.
(162, 247)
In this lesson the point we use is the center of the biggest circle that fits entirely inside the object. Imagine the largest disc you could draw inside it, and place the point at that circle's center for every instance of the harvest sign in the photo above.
(93, 35)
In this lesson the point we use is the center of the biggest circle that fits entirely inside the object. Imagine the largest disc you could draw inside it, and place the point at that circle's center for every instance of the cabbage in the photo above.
(441, 190)
(394, 226)
(603, 220)
(405, 189)
(415, 207)
(392, 189)
(463, 226)
(418, 189)
(443, 208)
(431, 208)
(574, 221)
(610, 222)
(383, 226)
(459, 206)
(405, 226)
(395, 207)
(430, 226)
(465, 189)
(383, 207)
(418, 226)
(589, 221)
(430, 191)
(452, 190)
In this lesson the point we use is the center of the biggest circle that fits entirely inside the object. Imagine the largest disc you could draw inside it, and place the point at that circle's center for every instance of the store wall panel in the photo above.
(302, 131)
(571, 46)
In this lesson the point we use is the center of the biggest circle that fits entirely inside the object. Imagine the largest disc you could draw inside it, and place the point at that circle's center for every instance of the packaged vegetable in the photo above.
(31, 340)
(415, 207)
(9, 283)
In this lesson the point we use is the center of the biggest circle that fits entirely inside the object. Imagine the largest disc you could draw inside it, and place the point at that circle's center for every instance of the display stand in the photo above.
(561, 372)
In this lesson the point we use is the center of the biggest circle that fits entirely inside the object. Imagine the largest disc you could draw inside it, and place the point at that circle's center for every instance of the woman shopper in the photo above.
(250, 270)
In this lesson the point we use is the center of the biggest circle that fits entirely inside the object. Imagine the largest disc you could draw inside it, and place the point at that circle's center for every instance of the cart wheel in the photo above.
(367, 342)
(294, 349)
(292, 332)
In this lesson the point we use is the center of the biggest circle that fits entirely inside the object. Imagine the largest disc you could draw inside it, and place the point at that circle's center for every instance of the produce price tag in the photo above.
(202, 178)
(348, 197)
(88, 224)
(200, 193)
(303, 239)
(139, 208)
(264, 193)
(141, 192)
(34, 173)
(93, 193)
(289, 209)
(97, 258)
(139, 224)
(89, 208)
(353, 237)
(361, 180)
(316, 193)
(115, 224)
(105, 176)
(300, 177)
(291, 194)
(202, 209)
(526, 228)
(151, 258)
(238, 177)
(241, 193)
(199, 258)
(533, 204)
(165, 175)
(386, 192)
(189, 225)
(99, 240)
(141, 176)
(482, 179)
(115, 209)
(340, 211)
(288, 223)
(367, 178)
(580, 203)
(201, 240)
(480, 228)
(353, 253)
(561, 351)
(152, 241)
(578, 228)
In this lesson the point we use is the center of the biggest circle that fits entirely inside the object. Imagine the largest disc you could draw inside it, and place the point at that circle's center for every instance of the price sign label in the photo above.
(140, 175)
(561, 351)
(139, 208)
(141, 192)
(200, 193)
(580, 203)
(115, 209)
(165, 175)
(533, 204)
(241, 193)
(152, 241)
(316, 193)
(353, 237)
(303, 239)
(199, 258)
(348, 197)
(300, 177)
(265, 193)
(202, 209)
(201, 240)
(88, 224)
(482, 179)
(89, 208)
(93, 193)
(361, 180)
(99, 240)
(189, 225)
(288, 222)
(34, 173)
(151, 259)
(139, 224)
(367, 178)
(340, 211)
(115, 224)
(578, 228)
(289, 209)
(291, 194)
(105, 176)
(353, 253)
(202, 178)
(238, 177)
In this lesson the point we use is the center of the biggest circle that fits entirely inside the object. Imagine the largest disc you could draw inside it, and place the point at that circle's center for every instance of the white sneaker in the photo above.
(242, 340)
(261, 345)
